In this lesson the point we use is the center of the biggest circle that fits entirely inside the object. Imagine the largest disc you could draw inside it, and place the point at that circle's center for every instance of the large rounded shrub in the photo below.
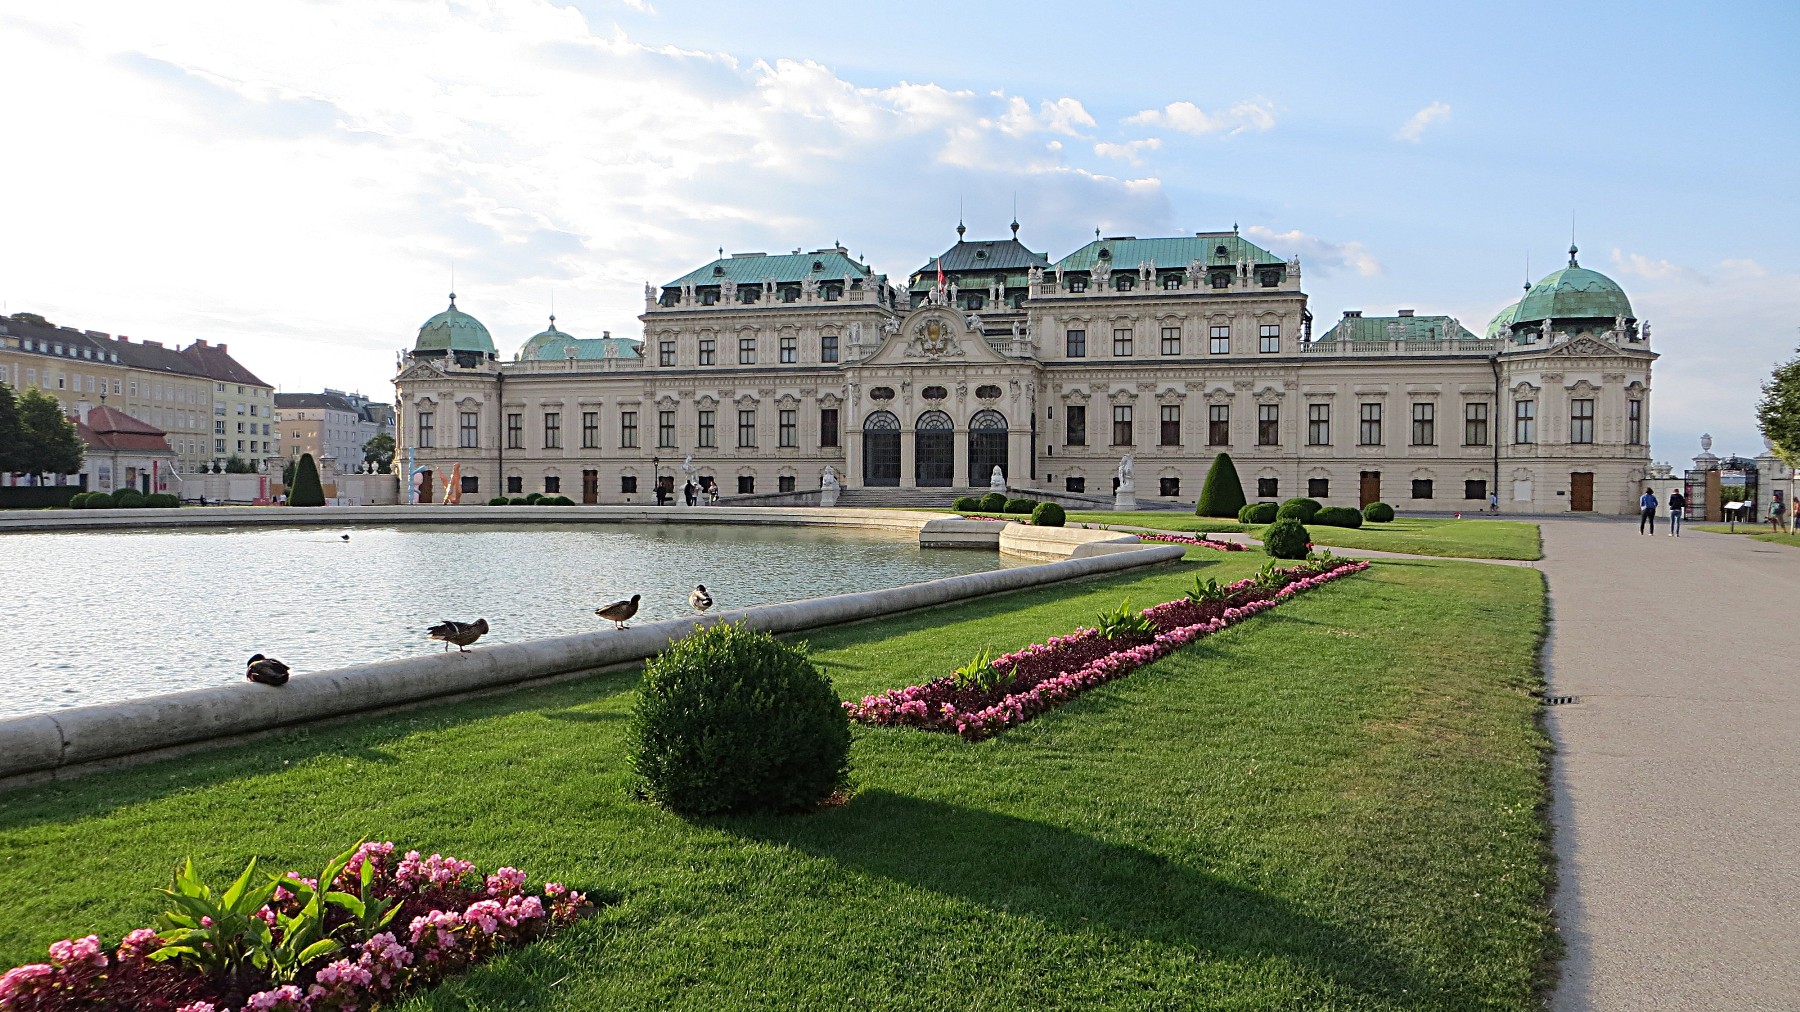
(993, 502)
(730, 719)
(1048, 514)
(518, 500)
(1339, 516)
(1223, 494)
(1259, 513)
(1294, 511)
(128, 499)
(162, 501)
(498, 500)
(1378, 513)
(1310, 506)
(966, 504)
(534, 498)
(1023, 507)
(80, 500)
(1286, 539)
(561, 500)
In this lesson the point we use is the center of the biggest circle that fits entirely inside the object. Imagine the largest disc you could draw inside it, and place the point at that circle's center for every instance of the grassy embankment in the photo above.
(1441, 537)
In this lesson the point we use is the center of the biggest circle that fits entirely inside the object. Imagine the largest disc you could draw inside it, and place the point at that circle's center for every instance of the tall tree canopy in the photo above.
(1779, 412)
(47, 442)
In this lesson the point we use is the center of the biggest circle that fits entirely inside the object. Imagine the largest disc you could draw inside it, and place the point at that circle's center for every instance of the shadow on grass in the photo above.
(1077, 884)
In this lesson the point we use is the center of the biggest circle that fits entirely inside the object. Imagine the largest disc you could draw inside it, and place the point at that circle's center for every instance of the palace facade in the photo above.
(766, 369)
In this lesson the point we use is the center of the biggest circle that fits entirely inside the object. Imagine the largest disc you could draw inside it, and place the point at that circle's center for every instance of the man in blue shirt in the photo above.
(1647, 512)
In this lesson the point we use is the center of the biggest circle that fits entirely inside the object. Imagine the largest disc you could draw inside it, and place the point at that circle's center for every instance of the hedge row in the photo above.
(534, 499)
(1043, 514)
(123, 499)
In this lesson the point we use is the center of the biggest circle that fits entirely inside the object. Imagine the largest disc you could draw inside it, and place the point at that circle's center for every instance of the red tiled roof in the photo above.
(111, 429)
(215, 362)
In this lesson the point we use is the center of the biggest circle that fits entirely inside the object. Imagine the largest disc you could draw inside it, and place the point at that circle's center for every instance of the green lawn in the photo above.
(1332, 806)
(1437, 536)
(1758, 532)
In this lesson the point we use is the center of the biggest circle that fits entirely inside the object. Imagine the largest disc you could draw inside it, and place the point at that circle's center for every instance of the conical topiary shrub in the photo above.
(1223, 494)
(306, 491)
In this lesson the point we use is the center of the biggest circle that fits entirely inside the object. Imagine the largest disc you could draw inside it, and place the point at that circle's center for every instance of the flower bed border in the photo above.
(906, 708)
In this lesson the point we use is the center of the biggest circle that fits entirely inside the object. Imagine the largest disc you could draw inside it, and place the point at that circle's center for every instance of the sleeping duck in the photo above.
(460, 633)
(700, 599)
(265, 670)
(619, 611)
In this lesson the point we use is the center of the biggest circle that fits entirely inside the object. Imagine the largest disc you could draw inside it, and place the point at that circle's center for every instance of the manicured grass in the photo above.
(1332, 806)
(1437, 536)
(1759, 533)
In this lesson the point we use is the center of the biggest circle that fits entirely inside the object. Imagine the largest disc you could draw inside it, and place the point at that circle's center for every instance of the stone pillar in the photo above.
(1018, 456)
(960, 446)
(908, 479)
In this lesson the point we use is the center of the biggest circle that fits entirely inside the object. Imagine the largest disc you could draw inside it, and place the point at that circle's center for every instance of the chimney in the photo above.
(1353, 314)
(1406, 312)
(152, 344)
(200, 342)
(222, 347)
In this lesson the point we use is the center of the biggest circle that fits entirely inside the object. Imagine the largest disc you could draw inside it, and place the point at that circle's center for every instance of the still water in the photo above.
(105, 616)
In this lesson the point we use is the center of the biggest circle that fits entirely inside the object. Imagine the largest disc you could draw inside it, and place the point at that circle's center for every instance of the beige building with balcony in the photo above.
(767, 369)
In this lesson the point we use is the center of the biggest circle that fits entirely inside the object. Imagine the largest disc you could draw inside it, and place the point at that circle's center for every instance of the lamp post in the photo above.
(656, 478)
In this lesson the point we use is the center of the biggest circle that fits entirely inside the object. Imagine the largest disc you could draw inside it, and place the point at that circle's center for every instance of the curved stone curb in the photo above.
(47, 745)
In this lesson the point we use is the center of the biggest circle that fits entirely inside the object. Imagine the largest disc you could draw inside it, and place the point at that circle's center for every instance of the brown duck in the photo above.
(619, 612)
(265, 670)
(460, 633)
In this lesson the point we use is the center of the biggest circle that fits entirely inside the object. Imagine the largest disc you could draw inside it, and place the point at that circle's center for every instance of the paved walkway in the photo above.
(1677, 776)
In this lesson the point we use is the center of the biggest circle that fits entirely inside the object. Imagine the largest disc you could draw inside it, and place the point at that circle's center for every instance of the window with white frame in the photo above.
(1171, 340)
(1318, 425)
(1268, 338)
(1219, 341)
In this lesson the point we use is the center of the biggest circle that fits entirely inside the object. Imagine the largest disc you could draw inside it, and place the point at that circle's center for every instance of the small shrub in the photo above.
(1286, 539)
(562, 500)
(966, 504)
(1048, 514)
(731, 719)
(518, 501)
(1259, 513)
(80, 500)
(1311, 506)
(162, 501)
(1339, 516)
(1223, 494)
(534, 498)
(498, 500)
(1023, 507)
(1378, 513)
(993, 502)
(1206, 592)
(1294, 511)
(980, 675)
(128, 499)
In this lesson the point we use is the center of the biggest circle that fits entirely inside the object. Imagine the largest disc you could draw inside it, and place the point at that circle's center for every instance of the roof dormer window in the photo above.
(718, 270)
(1104, 254)
(981, 254)
(1220, 251)
(818, 265)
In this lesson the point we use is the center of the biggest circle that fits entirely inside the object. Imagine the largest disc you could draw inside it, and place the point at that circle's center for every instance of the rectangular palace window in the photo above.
(1168, 486)
(665, 430)
(1475, 424)
(1581, 420)
(1475, 488)
(628, 430)
(747, 428)
(665, 353)
(1171, 425)
(1424, 424)
(1075, 424)
(828, 345)
(1634, 422)
(708, 351)
(468, 430)
(1268, 425)
(1218, 424)
(1121, 435)
(1421, 488)
(1077, 344)
(790, 350)
(1121, 343)
(1318, 488)
(1369, 425)
(1268, 488)
(787, 428)
(1318, 425)
(746, 484)
(828, 426)
(746, 351)
(1171, 340)
(1219, 343)
(552, 430)
(708, 429)
(1268, 339)
(1524, 421)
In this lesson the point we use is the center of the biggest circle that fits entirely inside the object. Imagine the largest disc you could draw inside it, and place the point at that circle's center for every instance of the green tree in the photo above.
(1779, 412)
(306, 490)
(1223, 494)
(380, 452)
(235, 464)
(9, 431)
(48, 442)
(287, 471)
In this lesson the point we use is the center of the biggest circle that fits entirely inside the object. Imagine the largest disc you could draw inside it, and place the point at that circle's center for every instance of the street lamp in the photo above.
(656, 478)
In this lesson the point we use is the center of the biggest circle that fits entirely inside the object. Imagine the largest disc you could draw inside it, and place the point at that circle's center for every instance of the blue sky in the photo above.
(297, 179)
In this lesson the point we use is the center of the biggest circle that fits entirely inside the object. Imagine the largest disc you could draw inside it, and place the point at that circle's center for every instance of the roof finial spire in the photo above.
(1096, 231)
(1015, 221)
(452, 284)
(1573, 249)
(1528, 270)
(960, 230)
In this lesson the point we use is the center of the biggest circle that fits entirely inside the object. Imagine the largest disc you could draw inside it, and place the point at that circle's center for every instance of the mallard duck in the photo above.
(460, 633)
(619, 611)
(700, 599)
(265, 670)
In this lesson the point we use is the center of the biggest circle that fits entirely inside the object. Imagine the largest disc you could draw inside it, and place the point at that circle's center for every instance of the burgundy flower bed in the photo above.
(1044, 676)
(1185, 539)
(445, 916)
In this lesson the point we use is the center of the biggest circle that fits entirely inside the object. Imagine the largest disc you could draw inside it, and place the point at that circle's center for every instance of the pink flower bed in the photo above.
(1046, 675)
(449, 917)
(1187, 539)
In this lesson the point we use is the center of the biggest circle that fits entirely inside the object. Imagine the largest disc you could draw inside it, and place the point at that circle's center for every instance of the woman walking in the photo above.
(1647, 512)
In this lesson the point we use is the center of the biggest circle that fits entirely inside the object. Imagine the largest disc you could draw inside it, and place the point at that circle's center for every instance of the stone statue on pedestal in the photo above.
(997, 483)
(1125, 496)
(829, 487)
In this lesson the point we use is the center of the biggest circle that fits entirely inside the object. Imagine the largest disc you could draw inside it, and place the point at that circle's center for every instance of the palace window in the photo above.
(515, 485)
(1269, 338)
(552, 483)
(828, 344)
(1318, 488)
(665, 430)
(1168, 487)
(746, 484)
(746, 351)
(590, 430)
(1077, 284)
(665, 353)
(1171, 282)
(1634, 422)
(1524, 421)
(1268, 488)
(708, 351)
(515, 431)
(1369, 425)
(1171, 425)
(468, 430)
(1121, 342)
(828, 426)
(790, 349)
(1268, 424)
(1318, 425)
(628, 430)
(628, 484)
(1475, 488)
(1218, 424)
(1171, 340)
(552, 430)
(1221, 279)
(427, 438)
(1121, 434)
(1421, 488)
(1075, 425)
(747, 428)
(1424, 424)
(1077, 344)
(1074, 484)
(787, 428)
(1220, 341)
(784, 483)
(708, 429)
(1475, 424)
(471, 485)
(1581, 420)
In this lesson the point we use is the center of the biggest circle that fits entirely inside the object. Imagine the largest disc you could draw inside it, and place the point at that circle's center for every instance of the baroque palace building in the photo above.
(767, 369)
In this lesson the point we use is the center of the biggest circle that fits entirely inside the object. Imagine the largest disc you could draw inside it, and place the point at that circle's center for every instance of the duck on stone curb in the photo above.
(460, 633)
(265, 670)
(619, 612)
(700, 599)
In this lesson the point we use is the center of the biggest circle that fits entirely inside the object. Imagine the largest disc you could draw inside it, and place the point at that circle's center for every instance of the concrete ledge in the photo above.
(1062, 542)
(76, 740)
(349, 516)
(954, 532)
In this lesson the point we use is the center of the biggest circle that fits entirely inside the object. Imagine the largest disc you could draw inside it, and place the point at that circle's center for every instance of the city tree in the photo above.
(9, 431)
(47, 442)
(380, 452)
(1779, 412)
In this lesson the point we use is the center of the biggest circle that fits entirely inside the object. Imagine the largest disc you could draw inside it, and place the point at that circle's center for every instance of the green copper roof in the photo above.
(1501, 325)
(454, 330)
(790, 268)
(1574, 293)
(1177, 251)
(1397, 328)
(538, 340)
(555, 346)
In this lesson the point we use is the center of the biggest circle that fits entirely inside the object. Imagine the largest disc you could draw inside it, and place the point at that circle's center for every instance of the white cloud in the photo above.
(1255, 114)
(1130, 151)
(641, 6)
(1316, 253)
(1414, 128)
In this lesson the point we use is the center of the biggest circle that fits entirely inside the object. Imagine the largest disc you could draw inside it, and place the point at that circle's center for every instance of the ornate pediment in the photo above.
(934, 334)
(420, 372)
(1582, 346)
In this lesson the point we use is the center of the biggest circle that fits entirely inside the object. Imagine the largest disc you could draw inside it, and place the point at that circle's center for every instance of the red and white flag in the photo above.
(940, 270)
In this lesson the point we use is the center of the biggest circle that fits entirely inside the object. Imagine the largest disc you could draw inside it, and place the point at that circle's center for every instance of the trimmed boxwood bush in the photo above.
(1223, 494)
(1294, 511)
(966, 504)
(1286, 539)
(730, 719)
(127, 499)
(518, 501)
(1258, 513)
(162, 501)
(1378, 513)
(307, 490)
(499, 500)
(534, 498)
(1311, 506)
(1022, 507)
(80, 500)
(1339, 516)
(1048, 514)
(562, 500)
(993, 502)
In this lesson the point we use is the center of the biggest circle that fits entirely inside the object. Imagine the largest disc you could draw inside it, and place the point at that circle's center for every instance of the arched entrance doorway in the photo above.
(934, 450)
(987, 447)
(881, 450)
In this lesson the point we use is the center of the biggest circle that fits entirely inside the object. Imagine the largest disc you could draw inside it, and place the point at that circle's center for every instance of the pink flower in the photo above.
(286, 998)
(72, 953)
(32, 978)
(197, 1006)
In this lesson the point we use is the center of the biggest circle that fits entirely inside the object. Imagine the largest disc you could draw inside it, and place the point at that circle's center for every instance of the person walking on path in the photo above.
(1677, 509)
(1647, 512)
(1493, 502)
(687, 491)
(1776, 509)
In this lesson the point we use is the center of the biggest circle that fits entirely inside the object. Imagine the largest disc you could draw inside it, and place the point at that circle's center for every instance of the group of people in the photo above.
(1678, 511)
(707, 489)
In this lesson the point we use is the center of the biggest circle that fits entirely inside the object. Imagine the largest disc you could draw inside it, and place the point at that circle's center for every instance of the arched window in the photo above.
(934, 420)
(987, 446)
(881, 421)
(881, 449)
(934, 450)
